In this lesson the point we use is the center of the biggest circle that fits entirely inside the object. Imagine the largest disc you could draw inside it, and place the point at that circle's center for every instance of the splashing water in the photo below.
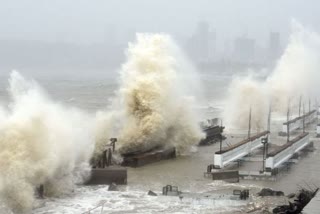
(41, 142)
(296, 74)
(44, 142)
(153, 106)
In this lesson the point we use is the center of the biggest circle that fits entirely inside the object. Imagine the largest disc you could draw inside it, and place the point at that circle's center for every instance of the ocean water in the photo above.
(92, 91)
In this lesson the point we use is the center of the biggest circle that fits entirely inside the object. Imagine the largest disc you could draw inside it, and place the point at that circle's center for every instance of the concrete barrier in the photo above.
(285, 152)
(112, 174)
(239, 150)
(229, 175)
(149, 157)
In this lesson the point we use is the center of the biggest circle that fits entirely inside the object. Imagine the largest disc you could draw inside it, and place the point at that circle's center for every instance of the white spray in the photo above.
(41, 142)
(296, 74)
(154, 104)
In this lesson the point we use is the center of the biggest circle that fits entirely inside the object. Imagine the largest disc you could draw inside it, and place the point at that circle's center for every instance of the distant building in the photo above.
(212, 47)
(244, 50)
(201, 45)
(274, 48)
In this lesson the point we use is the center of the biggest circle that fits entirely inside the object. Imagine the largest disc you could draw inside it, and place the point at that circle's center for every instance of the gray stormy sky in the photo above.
(89, 21)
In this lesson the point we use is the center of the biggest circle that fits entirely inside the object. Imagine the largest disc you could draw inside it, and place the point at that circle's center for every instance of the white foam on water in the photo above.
(42, 142)
(85, 198)
(295, 74)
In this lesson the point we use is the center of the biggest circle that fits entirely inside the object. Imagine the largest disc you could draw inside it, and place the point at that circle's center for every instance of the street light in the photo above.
(264, 141)
(221, 130)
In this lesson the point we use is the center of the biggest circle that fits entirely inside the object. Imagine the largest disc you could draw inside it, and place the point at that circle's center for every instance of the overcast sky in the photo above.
(88, 21)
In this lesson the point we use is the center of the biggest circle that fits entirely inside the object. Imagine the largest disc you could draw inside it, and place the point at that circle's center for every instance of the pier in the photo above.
(104, 171)
(297, 123)
(239, 150)
(286, 151)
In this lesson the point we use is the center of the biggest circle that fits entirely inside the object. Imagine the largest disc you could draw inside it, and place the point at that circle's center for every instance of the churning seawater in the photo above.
(92, 91)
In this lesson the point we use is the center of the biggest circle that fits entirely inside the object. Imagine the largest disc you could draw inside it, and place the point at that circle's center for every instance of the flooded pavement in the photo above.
(186, 172)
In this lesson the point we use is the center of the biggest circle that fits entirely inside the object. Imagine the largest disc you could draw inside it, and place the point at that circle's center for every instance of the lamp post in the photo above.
(221, 130)
(264, 141)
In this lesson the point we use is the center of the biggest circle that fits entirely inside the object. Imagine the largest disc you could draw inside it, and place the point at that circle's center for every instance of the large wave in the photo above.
(296, 74)
(41, 142)
(153, 107)
(45, 142)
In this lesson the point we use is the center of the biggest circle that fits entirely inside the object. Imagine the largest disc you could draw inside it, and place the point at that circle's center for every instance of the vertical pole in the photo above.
(269, 124)
(303, 119)
(300, 105)
(288, 126)
(109, 158)
(267, 148)
(263, 156)
(221, 136)
(269, 118)
(309, 105)
(104, 159)
(249, 130)
(264, 141)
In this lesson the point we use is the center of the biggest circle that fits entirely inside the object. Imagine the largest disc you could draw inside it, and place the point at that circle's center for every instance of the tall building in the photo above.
(274, 48)
(244, 49)
(201, 45)
(212, 46)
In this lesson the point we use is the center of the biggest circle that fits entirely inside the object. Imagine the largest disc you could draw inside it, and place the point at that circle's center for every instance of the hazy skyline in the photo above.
(84, 21)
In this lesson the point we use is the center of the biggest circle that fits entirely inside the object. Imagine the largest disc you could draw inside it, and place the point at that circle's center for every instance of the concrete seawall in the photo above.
(112, 174)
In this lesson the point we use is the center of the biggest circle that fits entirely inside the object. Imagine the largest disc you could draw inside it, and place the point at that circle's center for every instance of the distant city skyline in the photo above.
(201, 46)
(96, 33)
(83, 21)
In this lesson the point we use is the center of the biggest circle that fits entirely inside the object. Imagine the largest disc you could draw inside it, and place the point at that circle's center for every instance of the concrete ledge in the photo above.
(229, 176)
(148, 157)
(112, 174)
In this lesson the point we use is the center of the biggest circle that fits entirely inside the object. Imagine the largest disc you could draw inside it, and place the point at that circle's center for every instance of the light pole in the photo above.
(221, 130)
(264, 141)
